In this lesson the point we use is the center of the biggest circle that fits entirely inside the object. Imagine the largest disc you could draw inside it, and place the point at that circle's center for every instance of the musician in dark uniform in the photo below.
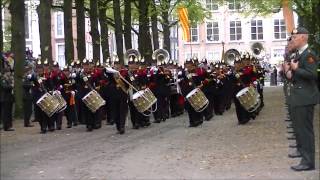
(304, 95)
(38, 90)
(242, 114)
(68, 93)
(6, 98)
(187, 84)
(27, 95)
(140, 82)
(117, 91)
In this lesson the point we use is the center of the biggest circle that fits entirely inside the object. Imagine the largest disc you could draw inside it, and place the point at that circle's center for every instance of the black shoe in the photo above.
(302, 167)
(291, 138)
(295, 154)
(51, 130)
(288, 120)
(121, 132)
(135, 127)
(292, 146)
(110, 123)
(156, 121)
(28, 125)
(208, 118)
(69, 126)
(10, 129)
(58, 128)
(43, 132)
(89, 129)
(290, 131)
(75, 124)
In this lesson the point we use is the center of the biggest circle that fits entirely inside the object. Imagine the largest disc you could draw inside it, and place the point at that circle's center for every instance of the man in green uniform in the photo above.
(304, 95)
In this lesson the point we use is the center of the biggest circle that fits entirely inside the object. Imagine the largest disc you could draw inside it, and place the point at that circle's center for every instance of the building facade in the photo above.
(230, 26)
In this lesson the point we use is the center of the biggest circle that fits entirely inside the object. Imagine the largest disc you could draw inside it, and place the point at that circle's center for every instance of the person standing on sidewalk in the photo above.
(304, 95)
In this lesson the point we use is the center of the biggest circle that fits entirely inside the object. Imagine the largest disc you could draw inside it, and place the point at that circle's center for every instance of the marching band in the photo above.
(87, 93)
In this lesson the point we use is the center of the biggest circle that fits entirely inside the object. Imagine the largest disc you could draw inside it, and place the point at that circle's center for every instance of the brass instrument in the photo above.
(131, 57)
(162, 56)
(257, 49)
(231, 56)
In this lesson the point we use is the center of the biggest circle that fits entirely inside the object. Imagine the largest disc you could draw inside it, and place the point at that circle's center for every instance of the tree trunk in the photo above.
(165, 26)
(154, 22)
(44, 13)
(104, 31)
(81, 34)
(68, 38)
(18, 45)
(118, 29)
(94, 30)
(144, 39)
(1, 32)
(127, 24)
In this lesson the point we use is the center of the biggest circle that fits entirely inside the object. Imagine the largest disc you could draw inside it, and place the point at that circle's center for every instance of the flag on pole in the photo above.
(184, 20)
(288, 15)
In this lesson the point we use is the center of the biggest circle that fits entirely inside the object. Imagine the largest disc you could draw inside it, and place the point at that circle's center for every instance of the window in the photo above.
(234, 5)
(211, 5)
(59, 24)
(279, 29)
(212, 31)
(278, 53)
(194, 54)
(235, 31)
(194, 34)
(256, 30)
(60, 55)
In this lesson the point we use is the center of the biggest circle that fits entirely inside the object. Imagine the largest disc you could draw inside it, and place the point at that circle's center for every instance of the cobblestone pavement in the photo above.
(220, 149)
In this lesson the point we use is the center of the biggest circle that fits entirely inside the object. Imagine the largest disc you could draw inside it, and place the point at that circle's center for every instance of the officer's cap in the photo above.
(299, 30)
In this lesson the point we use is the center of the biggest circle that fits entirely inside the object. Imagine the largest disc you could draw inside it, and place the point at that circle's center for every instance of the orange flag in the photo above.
(288, 15)
(184, 20)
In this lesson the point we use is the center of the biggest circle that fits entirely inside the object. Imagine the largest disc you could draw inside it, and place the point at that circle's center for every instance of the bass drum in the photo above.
(197, 100)
(62, 102)
(249, 98)
(48, 104)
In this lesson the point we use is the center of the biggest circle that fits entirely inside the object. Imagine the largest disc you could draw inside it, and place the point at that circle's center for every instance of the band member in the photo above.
(187, 84)
(27, 95)
(161, 90)
(7, 98)
(140, 82)
(118, 95)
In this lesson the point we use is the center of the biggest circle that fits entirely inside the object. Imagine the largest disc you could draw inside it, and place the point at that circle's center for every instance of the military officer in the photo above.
(27, 95)
(304, 94)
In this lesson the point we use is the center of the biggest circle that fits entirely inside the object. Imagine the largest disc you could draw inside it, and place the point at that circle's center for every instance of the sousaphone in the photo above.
(161, 56)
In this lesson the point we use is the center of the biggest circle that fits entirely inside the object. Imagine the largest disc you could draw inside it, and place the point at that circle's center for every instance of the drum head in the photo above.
(243, 91)
(192, 92)
(137, 94)
(42, 97)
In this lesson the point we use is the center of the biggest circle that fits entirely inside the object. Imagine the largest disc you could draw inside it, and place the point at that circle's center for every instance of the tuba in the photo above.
(231, 55)
(257, 49)
(132, 55)
(161, 56)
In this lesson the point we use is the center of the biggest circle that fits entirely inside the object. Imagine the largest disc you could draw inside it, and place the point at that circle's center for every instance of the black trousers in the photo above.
(120, 112)
(27, 111)
(41, 117)
(6, 115)
(242, 114)
(71, 115)
(195, 118)
(208, 112)
(302, 117)
(137, 118)
(161, 112)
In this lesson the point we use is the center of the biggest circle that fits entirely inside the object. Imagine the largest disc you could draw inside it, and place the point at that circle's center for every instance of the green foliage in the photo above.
(197, 13)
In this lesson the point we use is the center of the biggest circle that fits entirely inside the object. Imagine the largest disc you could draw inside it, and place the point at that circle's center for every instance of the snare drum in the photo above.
(143, 100)
(197, 100)
(249, 98)
(93, 101)
(62, 102)
(48, 104)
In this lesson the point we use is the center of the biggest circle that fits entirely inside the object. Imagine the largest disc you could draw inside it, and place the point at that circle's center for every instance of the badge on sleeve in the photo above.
(310, 60)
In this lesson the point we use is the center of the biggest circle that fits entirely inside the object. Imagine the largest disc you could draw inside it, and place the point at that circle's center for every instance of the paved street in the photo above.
(220, 149)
